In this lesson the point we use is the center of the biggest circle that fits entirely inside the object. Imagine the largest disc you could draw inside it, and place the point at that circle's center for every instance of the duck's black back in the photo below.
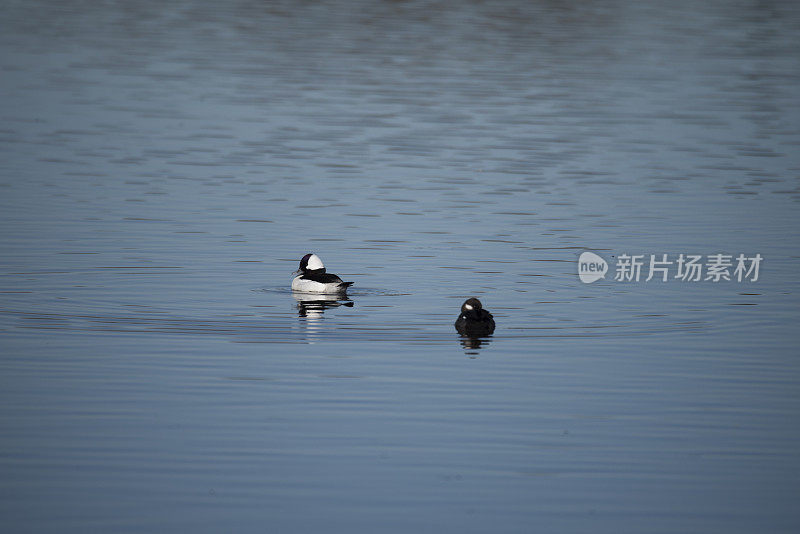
(475, 322)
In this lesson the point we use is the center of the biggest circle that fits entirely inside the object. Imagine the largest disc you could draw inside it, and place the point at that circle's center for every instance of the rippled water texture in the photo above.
(164, 166)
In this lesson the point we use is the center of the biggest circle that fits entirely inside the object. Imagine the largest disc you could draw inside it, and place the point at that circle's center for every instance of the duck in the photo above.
(474, 321)
(312, 278)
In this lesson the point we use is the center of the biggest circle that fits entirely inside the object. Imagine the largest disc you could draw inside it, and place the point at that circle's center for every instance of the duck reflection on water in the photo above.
(313, 306)
(474, 343)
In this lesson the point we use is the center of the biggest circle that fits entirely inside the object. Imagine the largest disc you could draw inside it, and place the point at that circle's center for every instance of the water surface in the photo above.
(163, 169)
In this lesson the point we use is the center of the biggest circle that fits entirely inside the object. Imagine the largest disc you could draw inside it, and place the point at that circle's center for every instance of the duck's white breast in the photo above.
(310, 286)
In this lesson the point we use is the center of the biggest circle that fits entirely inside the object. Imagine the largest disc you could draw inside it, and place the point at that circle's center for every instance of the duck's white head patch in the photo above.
(314, 263)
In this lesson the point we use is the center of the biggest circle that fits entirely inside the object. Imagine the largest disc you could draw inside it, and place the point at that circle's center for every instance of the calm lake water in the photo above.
(164, 167)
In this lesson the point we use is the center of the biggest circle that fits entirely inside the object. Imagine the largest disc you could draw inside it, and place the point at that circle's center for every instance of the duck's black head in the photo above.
(472, 311)
(311, 262)
(471, 306)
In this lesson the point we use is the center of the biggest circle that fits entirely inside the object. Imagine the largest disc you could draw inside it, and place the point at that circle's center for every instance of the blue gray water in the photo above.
(164, 167)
